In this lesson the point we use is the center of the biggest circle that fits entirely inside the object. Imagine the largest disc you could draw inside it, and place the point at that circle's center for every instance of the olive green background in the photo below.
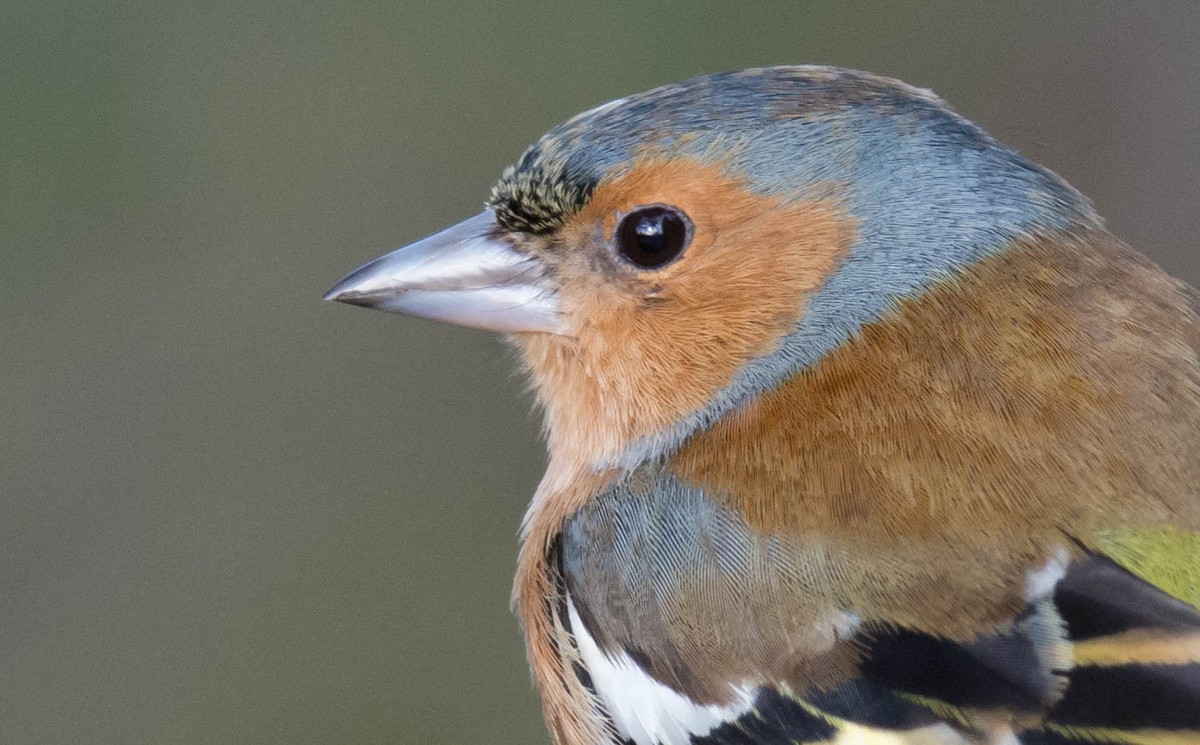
(232, 513)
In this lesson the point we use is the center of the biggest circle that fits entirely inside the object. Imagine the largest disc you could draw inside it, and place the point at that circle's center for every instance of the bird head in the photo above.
(663, 258)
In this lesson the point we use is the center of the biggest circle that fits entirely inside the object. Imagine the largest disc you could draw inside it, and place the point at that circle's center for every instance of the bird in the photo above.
(861, 426)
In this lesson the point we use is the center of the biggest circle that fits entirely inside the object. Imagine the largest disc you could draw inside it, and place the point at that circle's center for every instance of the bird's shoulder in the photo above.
(689, 626)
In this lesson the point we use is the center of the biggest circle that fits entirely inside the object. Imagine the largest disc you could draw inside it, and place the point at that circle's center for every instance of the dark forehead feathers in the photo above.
(555, 176)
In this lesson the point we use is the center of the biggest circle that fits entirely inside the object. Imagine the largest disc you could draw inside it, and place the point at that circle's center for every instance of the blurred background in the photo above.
(230, 512)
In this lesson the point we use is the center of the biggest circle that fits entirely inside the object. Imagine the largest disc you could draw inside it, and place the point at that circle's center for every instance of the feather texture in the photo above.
(900, 445)
(872, 606)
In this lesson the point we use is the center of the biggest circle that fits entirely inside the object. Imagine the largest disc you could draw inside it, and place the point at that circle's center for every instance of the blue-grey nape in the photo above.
(930, 191)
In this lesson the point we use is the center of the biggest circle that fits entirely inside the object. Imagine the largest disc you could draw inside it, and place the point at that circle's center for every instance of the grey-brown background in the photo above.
(230, 512)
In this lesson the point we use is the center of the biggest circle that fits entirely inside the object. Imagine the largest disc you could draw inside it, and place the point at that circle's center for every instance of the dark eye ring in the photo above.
(653, 236)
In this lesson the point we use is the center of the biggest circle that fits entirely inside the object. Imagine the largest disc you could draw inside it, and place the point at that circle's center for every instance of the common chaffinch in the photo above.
(862, 428)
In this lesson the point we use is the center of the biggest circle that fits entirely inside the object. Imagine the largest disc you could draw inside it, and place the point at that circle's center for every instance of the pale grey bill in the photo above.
(462, 275)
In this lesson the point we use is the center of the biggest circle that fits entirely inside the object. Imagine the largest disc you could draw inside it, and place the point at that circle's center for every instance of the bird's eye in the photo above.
(653, 236)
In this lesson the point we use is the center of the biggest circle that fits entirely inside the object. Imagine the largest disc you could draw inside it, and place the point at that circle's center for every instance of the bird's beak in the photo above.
(464, 275)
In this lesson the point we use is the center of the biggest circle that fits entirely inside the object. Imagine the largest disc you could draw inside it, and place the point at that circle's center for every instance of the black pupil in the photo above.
(652, 236)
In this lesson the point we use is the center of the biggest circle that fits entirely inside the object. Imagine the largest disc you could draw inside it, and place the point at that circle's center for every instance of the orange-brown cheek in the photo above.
(650, 348)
